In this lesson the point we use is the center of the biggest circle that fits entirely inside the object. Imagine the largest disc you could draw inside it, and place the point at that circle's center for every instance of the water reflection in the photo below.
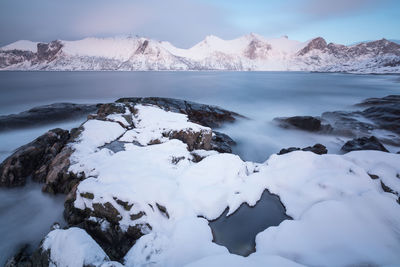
(237, 231)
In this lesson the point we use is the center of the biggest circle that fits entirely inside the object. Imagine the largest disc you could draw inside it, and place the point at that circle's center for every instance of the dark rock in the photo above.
(124, 204)
(347, 123)
(39, 258)
(106, 211)
(317, 149)
(222, 142)
(307, 123)
(318, 43)
(206, 115)
(373, 176)
(385, 117)
(110, 108)
(43, 115)
(58, 178)
(137, 216)
(194, 140)
(13, 57)
(390, 99)
(379, 114)
(387, 189)
(288, 150)
(32, 159)
(363, 143)
(163, 210)
(142, 47)
(48, 51)
(114, 241)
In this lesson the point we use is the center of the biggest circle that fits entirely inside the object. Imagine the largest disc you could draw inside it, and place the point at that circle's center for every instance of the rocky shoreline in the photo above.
(380, 116)
(143, 175)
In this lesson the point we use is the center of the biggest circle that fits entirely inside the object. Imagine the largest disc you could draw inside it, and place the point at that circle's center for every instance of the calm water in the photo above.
(238, 231)
(260, 96)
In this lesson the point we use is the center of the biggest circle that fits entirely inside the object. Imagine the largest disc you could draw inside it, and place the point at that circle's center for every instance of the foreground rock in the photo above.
(380, 117)
(33, 159)
(148, 202)
(363, 143)
(317, 149)
(60, 164)
(47, 114)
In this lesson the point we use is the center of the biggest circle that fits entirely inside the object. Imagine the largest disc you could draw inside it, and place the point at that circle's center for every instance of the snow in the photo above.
(232, 260)
(152, 123)
(24, 45)
(114, 48)
(249, 52)
(73, 247)
(341, 216)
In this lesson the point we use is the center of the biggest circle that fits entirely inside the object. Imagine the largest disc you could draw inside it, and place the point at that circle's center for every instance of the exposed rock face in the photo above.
(142, 47)
(14, 57)
(194, 140)
(317, 149)
(48, 51)
(102, 224)
(39, 258)
(222, 142)
(58, 178)
(387, 100)
(363, 143)
(307, 123)
(33, 159)
(318, 43)
(257, 49)
(45, 115)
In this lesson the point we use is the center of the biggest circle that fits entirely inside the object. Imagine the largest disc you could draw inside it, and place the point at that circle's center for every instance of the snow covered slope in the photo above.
(247, 53)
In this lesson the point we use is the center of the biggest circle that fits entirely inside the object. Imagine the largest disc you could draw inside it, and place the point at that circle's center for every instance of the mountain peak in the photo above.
(318, 43)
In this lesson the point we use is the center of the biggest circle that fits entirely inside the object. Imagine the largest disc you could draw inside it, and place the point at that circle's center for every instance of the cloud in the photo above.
(334, 8)
(183, 22)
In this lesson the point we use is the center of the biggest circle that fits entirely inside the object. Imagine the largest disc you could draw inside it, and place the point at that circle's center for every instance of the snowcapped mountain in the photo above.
(248, 53)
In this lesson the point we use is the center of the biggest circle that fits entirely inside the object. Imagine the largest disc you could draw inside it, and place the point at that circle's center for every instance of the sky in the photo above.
(187, 22)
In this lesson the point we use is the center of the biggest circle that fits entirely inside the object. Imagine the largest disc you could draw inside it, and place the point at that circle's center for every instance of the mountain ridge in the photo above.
(250, 52)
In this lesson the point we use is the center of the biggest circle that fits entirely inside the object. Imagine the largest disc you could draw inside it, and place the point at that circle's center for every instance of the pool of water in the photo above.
(237, 231)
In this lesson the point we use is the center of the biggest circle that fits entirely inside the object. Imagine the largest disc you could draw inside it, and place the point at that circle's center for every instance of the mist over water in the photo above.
(26, 214)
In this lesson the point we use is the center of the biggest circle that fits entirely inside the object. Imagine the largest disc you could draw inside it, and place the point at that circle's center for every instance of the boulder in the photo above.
(102, 224)
(222, 142)
(306, 123)
(194, 140)
(363, 143)
(381, 114)
(33, 159)
(43, 115)
(317, 149)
